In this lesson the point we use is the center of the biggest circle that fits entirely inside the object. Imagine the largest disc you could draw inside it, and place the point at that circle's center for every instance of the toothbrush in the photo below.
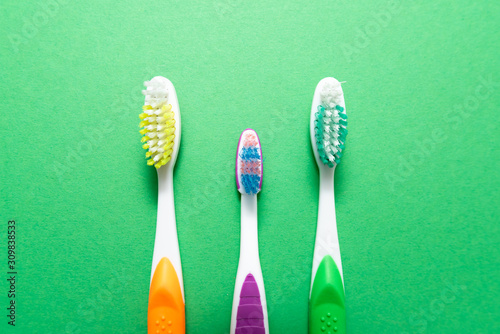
(249, 314)
(328, 133)
(161, 130)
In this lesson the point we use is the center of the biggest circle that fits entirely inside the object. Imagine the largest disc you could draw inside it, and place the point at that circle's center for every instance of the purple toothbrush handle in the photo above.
(250, 318)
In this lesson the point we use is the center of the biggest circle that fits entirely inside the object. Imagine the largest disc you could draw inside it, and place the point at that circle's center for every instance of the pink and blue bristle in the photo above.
(250, 164)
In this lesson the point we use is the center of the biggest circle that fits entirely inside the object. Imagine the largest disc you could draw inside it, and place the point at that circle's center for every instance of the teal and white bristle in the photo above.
(330, 125)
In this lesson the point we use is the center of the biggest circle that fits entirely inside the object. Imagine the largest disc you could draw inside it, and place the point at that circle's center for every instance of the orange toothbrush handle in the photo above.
(166, 313)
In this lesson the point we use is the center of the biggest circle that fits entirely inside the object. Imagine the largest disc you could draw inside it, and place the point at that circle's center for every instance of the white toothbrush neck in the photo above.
(326, 180)
(327, 242)
(249, 241)
(165, 183)
(166, 242)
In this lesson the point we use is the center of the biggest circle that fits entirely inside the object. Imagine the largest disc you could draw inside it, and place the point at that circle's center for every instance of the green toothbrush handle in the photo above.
(327, 303)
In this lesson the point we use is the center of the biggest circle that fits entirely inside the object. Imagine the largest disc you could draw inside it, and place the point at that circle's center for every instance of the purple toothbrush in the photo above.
(249, 304)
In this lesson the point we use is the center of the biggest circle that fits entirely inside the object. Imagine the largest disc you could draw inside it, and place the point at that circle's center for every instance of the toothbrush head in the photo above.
(328, 123)
(160, 122)
(249, 163)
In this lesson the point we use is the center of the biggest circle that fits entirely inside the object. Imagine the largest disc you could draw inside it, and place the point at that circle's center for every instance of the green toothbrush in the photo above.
(328, 133)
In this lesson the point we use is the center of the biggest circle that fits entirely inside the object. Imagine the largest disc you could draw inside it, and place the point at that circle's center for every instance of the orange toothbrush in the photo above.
(161, 130)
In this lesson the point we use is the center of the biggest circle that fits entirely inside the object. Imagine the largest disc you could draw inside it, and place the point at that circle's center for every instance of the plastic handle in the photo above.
(249, 313)
(327, 303)
(166, 310)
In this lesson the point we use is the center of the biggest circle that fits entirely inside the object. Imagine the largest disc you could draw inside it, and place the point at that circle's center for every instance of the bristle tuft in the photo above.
(250, 164)
(330, 125)
(157, 124)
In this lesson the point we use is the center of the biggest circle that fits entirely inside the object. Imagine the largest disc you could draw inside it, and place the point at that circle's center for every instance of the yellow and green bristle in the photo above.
(157, 125)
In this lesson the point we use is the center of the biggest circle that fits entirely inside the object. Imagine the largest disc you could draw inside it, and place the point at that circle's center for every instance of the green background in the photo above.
(416, 192)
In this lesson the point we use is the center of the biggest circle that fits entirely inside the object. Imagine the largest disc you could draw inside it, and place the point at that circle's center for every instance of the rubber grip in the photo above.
(250, 317)
(327, 303)
(166, 310)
